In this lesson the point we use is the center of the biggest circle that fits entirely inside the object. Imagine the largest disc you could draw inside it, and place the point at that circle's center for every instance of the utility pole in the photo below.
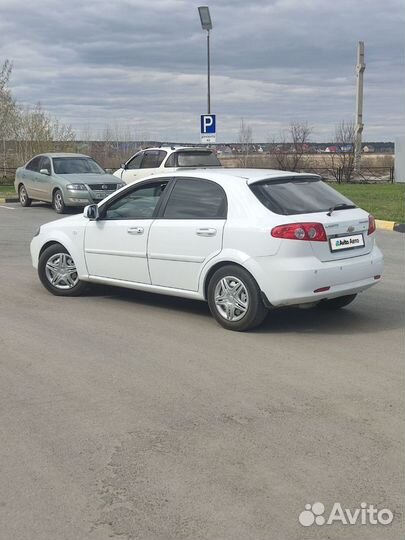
(206, 24)
(209, 72)
(361, 66)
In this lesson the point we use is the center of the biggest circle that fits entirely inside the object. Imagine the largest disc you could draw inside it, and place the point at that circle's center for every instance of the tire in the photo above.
(57, 272)
(25, 201)
(242, 291)
(337, 303)
(58, 203)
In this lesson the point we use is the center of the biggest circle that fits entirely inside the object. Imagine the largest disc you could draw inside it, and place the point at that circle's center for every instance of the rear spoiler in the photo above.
(284, 178)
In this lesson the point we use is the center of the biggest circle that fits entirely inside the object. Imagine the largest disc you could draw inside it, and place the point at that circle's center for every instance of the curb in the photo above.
(8, 200)
(390, 225)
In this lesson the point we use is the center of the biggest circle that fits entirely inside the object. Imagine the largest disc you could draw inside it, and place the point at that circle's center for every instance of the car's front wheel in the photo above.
(58, 273)
(58, 202)
(337, 303)
(23, 196)
(234, 299)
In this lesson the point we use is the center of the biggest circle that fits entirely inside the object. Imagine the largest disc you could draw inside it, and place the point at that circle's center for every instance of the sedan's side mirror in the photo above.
(123, 166)
(45, 171)
(91, 212)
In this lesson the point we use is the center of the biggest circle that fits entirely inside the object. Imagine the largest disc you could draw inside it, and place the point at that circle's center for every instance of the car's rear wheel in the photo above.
(58, 273)
(234, 299)
(337, 303)
(58, 202)
(23, 196)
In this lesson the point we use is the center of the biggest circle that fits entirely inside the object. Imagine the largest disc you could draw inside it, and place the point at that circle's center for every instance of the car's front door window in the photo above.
(45, 163)
(33, 165)
(140, 203)
(152, 159)
(135, 162)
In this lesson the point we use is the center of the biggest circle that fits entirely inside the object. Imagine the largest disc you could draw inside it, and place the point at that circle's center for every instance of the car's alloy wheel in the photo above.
(58, 273)
(58, 202)
(23, 196)
(234, 299)
(61, 271)
(231, 298)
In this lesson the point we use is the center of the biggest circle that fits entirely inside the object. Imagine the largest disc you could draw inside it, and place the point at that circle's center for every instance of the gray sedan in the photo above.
(63, 180)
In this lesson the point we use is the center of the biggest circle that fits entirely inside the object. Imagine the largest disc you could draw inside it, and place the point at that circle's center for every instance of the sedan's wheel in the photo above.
(234, 299)
(58, 202)
(58, 273)
(337, 303)
(23, 196)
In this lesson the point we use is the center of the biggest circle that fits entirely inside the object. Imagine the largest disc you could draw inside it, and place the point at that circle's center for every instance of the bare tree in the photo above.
(291, 149)
(8, 111)
(28, 131)
(246, 141)
(344, 159)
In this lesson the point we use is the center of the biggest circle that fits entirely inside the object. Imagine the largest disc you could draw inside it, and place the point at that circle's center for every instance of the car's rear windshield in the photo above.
(197, 159)
(68, 165)
(298, 195)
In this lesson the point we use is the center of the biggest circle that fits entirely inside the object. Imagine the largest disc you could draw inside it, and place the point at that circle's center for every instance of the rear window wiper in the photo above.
(340, 206)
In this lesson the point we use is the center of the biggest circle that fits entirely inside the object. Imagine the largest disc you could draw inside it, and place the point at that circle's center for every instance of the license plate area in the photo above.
(100, 196)
(349, 241)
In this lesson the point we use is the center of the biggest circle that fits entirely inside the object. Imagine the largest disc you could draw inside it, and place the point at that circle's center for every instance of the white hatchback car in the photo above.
(244, 240)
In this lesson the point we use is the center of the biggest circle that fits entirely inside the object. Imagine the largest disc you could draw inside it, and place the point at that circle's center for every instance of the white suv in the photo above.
(165, 159)
(244, 240)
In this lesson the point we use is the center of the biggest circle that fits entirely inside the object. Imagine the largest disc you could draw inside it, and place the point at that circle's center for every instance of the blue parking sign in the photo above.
(208, 126)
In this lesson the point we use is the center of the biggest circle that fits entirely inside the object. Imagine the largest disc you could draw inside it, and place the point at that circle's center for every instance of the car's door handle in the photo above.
(135, 230)
(206, 231)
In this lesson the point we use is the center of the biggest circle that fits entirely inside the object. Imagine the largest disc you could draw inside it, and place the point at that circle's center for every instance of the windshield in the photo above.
(298, 195)
(74, 165)
(197, 159)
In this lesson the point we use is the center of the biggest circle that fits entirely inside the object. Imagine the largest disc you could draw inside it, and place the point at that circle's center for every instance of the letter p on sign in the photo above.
(208, 128)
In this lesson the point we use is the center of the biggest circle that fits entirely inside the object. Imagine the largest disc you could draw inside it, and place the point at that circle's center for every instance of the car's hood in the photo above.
(76, 219)
(90, 178)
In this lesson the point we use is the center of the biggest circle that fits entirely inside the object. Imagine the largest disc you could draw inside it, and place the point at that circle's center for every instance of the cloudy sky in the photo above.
(140, 66)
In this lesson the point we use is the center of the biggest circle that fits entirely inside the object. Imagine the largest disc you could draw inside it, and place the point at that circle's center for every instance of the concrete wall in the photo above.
(400, 159)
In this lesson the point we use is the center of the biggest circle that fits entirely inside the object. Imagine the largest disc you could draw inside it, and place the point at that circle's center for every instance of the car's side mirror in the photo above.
(123, 166)
(91, 212)
(45, 171)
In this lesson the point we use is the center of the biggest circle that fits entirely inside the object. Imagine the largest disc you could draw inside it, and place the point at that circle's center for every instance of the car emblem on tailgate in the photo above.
(350, 229)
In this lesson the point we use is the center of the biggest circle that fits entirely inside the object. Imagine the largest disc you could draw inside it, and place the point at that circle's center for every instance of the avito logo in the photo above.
(367, 514)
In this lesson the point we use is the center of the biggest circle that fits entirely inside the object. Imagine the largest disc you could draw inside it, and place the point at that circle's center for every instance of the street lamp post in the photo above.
(206, 24)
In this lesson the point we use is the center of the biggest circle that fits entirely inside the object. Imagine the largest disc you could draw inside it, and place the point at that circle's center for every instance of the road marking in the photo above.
(7, 207)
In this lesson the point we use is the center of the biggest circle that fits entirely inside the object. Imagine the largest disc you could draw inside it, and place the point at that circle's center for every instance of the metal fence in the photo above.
(367, 175)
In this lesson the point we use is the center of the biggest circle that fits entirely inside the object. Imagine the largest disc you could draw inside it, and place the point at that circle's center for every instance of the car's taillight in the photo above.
(371, 224)
(313, 232)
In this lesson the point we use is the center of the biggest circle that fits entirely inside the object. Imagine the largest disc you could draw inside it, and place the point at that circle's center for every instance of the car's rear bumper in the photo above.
(286, 281)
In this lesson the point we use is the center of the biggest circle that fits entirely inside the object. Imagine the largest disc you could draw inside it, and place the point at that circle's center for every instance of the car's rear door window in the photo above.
(298, 195)
(197, 158)
(196, 199)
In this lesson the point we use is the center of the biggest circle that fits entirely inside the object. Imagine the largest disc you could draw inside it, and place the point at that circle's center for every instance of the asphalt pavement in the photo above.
(135, 416)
